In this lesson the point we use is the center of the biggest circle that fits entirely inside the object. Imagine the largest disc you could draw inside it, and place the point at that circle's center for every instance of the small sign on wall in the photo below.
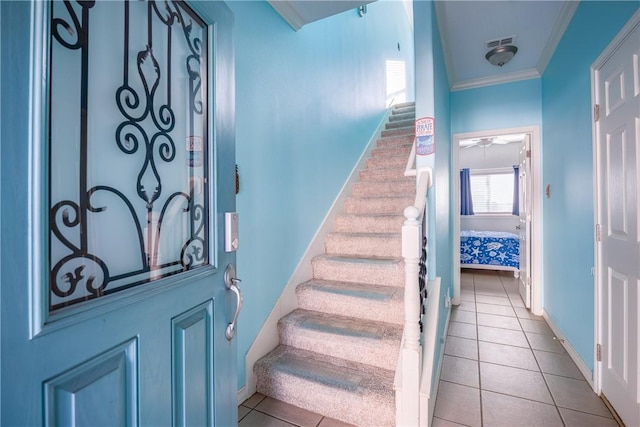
(425, 128)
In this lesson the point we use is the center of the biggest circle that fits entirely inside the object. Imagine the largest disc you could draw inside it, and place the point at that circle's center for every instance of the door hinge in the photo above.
(596, 112)
(528, 154)
(598, 233)
(599, 353)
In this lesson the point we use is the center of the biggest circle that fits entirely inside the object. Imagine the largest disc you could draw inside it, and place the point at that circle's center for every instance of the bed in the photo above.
(490, 250)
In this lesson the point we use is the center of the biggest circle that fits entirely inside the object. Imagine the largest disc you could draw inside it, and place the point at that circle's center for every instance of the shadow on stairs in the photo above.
(338, 351)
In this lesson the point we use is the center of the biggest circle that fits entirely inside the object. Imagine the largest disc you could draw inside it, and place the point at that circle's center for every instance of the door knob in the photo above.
(231, 282)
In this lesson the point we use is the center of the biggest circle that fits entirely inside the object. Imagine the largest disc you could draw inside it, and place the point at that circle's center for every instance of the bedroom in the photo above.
(493, 191)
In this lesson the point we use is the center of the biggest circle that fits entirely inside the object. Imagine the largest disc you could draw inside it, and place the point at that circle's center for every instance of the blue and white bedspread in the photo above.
(491, 248)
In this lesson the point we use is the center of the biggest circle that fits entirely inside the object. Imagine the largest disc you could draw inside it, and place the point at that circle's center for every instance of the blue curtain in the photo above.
(516, 191)
(466, 203)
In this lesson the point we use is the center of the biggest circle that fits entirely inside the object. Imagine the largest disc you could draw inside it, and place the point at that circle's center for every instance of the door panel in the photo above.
(617, 142)
(112, 271)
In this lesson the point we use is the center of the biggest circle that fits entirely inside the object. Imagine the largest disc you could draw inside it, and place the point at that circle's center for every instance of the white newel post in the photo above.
(411, 352)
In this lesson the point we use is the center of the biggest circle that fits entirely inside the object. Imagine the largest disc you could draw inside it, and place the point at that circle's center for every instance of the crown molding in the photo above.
(288, 13)
(564, 18)
(531, 73)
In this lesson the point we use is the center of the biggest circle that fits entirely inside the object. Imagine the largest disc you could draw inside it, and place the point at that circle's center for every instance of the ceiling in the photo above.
(465, 27)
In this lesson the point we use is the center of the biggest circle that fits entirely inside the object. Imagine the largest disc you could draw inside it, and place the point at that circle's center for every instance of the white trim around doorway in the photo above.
(536, 207)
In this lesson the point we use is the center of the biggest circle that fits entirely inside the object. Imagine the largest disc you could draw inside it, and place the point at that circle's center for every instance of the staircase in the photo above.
(339, 350)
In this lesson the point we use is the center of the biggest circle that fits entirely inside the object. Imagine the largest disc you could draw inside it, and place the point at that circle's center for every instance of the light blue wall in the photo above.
(307, 104)
(496, 107)
(443, 214)
(567, 166)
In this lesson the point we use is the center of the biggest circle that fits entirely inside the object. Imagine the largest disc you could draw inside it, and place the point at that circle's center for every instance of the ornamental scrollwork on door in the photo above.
(129, 171)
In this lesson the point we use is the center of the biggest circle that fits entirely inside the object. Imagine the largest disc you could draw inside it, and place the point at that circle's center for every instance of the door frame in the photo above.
(536, 208)
(611, 48)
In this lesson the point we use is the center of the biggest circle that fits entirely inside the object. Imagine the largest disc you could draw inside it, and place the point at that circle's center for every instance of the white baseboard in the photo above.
(582, 366)
(268, 338)
(243, 395)
(432, 401)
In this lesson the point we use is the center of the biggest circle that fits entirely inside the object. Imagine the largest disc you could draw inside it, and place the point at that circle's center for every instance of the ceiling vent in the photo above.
(501, 42)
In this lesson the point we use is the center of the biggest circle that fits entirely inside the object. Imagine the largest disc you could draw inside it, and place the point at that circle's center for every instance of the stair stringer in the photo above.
(268, 337)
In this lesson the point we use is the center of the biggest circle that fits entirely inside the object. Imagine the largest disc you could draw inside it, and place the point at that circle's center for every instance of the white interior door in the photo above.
(617, 86)
(524, 226)
(118, 119)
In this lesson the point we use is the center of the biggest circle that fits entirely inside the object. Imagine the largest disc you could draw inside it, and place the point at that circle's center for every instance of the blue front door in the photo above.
(117, 169)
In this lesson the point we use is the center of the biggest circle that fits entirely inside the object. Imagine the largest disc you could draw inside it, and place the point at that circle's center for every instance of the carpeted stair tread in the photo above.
(384, 175)
(372, 223)
(391, 141)
(364, 244)
(365, 301)
(351, 392)
(387, 162)
(408, 122)
(408, 115)
(384, 188)
(387, 205)
(394, 150)
(404, 109)
(403, 131)
(364, 341)
(372, 270)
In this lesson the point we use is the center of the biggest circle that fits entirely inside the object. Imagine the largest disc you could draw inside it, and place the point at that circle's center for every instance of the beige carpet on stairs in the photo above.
(338, 351)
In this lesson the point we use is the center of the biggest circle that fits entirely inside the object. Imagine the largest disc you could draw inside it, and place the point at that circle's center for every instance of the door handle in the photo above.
(518, 227)
(230, 281)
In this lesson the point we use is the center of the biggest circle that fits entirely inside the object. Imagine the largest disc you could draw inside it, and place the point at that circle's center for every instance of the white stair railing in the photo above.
(409, 370)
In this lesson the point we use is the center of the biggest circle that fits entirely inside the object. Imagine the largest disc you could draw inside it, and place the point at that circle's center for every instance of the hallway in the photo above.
(504, 367)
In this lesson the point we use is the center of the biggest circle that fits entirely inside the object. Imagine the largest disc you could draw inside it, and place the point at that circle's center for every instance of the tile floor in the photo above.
(504, 367)
(261, 411)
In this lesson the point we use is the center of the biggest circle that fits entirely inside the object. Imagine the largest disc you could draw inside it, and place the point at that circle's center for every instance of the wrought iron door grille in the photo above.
(129, 147)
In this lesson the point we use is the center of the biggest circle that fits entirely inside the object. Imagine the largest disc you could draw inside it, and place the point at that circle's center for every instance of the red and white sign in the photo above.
(425, 128)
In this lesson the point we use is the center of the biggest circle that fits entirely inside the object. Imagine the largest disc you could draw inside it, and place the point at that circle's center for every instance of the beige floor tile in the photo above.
(500, 310)
(289, 413)
(507, 411)
(580, 419)
(558, 364)
(330, 422)
(575, 394)
(461, 316)
(460, 371)
(452, 397)
(513, 381)
(461, 347)
(502, 336)
(256, 418)
(525, 313)
(242, 411)
(466, 306)
(497, 321)
(507, 355)
(516, 300)
(545, 342)
(467, 296)
(439, 422)
(253, 400)
(497, 291)
(536, 326)
(463, 330)
(490, 299)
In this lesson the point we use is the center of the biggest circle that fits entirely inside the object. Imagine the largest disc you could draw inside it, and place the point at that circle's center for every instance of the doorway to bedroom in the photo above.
(496, 200)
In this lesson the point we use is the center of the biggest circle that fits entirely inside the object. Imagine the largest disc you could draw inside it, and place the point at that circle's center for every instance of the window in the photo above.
(492, 192)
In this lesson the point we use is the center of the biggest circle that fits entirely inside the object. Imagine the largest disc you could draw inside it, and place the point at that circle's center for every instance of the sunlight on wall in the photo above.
(396, 82)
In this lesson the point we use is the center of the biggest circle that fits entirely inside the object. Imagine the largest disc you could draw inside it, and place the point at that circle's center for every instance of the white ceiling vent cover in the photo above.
(501, 41)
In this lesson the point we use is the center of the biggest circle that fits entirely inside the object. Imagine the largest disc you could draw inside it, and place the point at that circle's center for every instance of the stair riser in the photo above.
(367, 224)
(399, 150)
(356, 245)
(392, 141)
(382, 309)
(397, 132)
(358, 273)
(404, 110)
(382, 353)
(384, 175)
(399, 124)
(411, 115)
(387, 162)
(354, 408)
(358, 205)
(383, 188)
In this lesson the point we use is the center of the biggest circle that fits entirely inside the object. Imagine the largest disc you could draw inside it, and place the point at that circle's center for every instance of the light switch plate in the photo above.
(231, 236)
